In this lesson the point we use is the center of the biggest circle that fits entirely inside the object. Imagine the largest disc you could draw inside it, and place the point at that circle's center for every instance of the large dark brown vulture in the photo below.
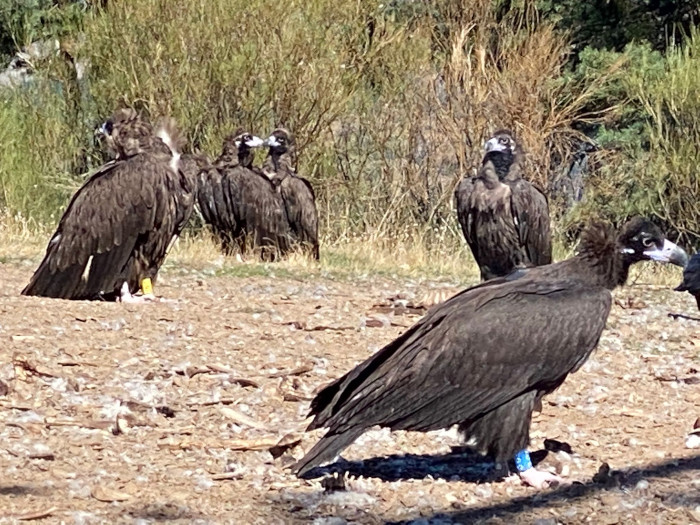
(118, 227)
(691, 278)
(484, 358)
(297, 192)
(504, 218)
(240, 202)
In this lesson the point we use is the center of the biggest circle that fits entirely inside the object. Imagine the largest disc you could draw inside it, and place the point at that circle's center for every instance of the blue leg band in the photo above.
(522, 461)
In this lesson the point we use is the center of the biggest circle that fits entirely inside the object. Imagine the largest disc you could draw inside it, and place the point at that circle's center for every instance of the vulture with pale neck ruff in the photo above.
(504, 218)
(240, 203)
(297, 193)
(484, 358)
(118, 227)
(691, 278)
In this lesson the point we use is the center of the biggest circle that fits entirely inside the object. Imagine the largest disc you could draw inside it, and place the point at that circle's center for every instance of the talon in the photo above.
(541, 479)
(125, 296)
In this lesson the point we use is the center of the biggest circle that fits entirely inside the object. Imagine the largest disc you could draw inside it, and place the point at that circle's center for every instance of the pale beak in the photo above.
(668, 253)
(272, 142)
(493, 145)
(254, 142)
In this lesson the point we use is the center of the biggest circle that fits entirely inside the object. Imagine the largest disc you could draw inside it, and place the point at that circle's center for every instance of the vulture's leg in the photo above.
(126, 296)
(147, 286)
(529, 475)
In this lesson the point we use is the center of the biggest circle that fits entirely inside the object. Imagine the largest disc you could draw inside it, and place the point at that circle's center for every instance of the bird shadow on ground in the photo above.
(164, 512)
(22, 490)
(461, 464)
(623, 480)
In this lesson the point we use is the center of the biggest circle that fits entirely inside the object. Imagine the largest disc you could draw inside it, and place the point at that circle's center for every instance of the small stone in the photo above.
(642, 484)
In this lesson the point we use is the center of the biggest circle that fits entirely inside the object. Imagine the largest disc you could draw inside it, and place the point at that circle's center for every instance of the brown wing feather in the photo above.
(453, 366)
(531, 213)
(485, 214)
(112, 222)
(463, 194)
(300, 205)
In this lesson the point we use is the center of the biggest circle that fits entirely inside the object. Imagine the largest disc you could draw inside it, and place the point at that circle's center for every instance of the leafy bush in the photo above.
(39, 149)
(652, 158)
(390, 104)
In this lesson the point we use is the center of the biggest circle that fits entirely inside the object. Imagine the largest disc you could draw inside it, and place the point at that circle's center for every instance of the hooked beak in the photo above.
(272, 142)
(254, 142)
(493, 145)
(669, 253)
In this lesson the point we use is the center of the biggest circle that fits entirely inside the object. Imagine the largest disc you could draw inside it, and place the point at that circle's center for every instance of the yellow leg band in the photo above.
(146, 286)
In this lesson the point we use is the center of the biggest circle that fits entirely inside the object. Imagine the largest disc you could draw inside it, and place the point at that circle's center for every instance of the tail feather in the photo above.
(58, 284)
(326, 449)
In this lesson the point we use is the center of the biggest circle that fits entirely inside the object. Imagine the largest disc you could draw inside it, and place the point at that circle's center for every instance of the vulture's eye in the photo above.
(503, 140)
(648, 242)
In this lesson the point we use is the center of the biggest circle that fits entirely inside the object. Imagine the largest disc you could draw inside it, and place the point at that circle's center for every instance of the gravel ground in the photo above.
(188, 411)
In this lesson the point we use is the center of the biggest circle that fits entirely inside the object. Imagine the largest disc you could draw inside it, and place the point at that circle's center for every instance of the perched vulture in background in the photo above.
(297, 194)
(484, 358)
(504, 218)
(118, 227)
(691, 278)
(240, 203)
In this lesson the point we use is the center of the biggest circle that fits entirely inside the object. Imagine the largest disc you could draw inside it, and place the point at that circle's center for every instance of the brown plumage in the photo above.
(297, 193)
(485, 357)
(691, 278)
(119, 225)
(240, 203)
(504, 218)
(191, 164)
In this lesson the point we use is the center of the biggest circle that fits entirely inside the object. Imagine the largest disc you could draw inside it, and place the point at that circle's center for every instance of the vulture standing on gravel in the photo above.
(119, 225)
(297, 193)
(240, 202)
(504, 218)
(691, 278)
(484, 358)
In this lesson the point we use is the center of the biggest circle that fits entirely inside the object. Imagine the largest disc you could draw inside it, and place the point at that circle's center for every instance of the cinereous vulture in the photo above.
(504, 218)
(240, 202)
(691, 278)
(118, 227)
(484, 358)
(297, 193)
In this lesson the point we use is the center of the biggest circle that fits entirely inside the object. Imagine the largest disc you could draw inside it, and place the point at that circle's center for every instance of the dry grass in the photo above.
(345, 260)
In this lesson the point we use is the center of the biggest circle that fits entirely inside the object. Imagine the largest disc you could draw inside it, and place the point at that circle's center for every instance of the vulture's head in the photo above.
(503, 141)
(502, 150)
(691, 277)
(642, 240)
(125, 133)
(239, 147)
(245, 141)
(280, 141)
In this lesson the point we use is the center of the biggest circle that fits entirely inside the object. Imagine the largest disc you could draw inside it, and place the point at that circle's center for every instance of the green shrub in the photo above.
(39, 152)
(390, 104)
(651, 168)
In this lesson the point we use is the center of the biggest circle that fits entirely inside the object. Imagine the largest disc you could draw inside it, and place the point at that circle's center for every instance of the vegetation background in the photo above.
(390, 101)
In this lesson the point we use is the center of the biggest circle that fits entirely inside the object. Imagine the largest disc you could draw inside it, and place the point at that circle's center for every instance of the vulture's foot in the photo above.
(126, 296)
(541, 479)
